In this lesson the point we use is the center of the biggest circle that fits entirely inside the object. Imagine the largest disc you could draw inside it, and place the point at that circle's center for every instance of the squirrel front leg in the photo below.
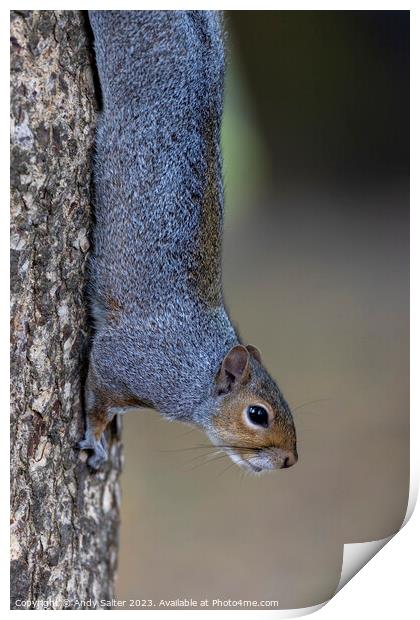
(100, 410)
(101, 405)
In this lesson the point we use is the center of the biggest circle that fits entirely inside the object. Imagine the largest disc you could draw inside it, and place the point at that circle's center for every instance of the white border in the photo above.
(389, 583)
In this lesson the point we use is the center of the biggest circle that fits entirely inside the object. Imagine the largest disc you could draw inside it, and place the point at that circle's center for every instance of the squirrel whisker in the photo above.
(309, 402)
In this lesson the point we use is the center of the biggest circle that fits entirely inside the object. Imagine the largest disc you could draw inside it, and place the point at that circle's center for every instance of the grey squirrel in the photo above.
(163, 338)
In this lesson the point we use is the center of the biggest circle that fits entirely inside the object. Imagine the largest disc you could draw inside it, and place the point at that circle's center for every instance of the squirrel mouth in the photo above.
(246, 464)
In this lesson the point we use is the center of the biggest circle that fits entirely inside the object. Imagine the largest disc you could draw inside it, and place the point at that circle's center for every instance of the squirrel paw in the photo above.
(99, 449)
(97, 459)
(87, 443)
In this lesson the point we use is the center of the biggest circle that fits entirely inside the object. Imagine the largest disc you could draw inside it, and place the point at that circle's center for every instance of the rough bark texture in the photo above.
(64, 519)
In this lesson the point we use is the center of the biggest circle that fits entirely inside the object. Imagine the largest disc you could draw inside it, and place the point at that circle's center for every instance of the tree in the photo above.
(64, 519)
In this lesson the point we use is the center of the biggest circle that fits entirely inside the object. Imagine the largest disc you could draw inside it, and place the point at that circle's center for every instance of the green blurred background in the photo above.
(316, 273)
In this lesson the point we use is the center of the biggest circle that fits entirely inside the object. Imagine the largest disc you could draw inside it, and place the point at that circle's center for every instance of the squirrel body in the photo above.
(163, 337)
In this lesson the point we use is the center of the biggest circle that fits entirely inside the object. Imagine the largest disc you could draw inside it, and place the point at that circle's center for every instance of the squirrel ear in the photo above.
(256, 353)
(234, 369)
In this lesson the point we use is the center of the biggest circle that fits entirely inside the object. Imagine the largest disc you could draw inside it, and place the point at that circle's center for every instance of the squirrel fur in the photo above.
(163, 338)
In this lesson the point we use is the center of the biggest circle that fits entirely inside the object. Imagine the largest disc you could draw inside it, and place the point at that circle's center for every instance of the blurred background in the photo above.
(316, 273)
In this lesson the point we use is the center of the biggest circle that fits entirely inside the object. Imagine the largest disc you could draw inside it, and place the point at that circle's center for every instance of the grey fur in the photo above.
(159, 212)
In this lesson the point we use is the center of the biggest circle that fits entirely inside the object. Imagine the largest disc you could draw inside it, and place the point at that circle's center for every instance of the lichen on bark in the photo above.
(64, 519)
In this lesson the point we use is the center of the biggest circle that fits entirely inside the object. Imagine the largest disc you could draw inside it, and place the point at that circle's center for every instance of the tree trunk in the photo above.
(64, 519)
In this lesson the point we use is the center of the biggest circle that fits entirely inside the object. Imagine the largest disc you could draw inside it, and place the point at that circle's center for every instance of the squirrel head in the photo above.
(252, 421)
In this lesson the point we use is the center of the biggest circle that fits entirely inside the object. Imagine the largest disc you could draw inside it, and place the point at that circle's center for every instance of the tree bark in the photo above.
(64, 519)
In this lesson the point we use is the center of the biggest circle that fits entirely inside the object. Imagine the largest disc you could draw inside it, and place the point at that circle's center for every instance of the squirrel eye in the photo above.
(258, 415)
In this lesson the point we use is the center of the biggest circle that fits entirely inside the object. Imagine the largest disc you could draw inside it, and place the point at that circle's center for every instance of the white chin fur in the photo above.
(254, 465)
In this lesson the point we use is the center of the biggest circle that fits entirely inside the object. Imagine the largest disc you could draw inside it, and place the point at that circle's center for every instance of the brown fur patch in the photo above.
(205, 273)
(113, 307)
(104, 400)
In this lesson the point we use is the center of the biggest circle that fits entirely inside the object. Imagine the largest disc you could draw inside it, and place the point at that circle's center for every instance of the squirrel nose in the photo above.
(287, 458)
